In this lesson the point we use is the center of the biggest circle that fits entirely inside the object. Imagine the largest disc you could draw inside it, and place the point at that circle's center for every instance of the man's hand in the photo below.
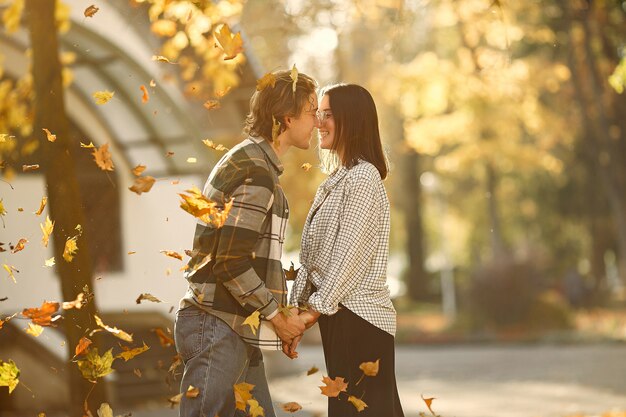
(289, 349)
(287, 328)
(309, 317)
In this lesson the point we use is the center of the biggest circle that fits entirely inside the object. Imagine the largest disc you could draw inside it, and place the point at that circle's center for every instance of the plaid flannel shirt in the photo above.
(236, 269)
(345, 245)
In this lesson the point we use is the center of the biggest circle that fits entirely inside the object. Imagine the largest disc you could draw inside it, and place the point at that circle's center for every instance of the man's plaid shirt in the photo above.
(236, 269)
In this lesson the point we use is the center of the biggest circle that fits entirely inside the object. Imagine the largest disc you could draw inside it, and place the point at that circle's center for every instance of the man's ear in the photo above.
(287, 122)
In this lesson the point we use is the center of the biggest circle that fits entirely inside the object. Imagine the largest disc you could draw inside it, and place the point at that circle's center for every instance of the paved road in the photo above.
(481, 380)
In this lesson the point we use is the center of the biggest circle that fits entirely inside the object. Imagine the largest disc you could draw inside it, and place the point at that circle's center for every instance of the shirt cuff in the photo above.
(270, 310)
(318, 305)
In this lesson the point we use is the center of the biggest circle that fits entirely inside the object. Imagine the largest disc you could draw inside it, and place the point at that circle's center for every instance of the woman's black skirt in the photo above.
(348, 341)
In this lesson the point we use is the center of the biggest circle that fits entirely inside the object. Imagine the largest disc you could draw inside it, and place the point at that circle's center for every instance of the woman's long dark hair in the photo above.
(356, 126)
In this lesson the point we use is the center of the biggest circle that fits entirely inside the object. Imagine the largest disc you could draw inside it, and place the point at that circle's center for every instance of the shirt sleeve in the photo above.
(354, 245)
(252, 200)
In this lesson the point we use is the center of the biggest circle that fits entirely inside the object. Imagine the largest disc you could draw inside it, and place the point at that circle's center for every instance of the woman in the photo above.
(345, 242)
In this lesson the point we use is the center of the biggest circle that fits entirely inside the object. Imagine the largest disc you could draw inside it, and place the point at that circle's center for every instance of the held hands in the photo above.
(287, 328)
(309, 318)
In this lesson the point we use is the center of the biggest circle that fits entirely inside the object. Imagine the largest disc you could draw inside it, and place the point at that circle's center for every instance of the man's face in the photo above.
(300, 129)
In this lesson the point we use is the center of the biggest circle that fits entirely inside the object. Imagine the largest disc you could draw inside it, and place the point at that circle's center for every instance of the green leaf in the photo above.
(95, 366)
(9, 374)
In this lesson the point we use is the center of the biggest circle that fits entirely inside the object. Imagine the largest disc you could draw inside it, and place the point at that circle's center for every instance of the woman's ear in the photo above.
(287, 122)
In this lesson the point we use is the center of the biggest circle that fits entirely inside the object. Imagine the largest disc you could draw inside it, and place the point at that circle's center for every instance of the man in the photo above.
(235, 270)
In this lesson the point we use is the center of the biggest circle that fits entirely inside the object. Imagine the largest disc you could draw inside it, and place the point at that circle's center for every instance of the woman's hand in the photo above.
(309, 317)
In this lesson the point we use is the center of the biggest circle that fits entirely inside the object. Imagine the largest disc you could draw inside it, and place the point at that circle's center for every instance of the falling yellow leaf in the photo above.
(163, 27)
(213, 145)
(227, 42)
(78, 303)
(268, 80)
(120, 334)
(70, 249)
(191, 160)
(192, 392)
(255, 409)
(132, 252)
(172, 254)
(164, 339)
(294, 77)
(212, 104)
(90, 11)
(161, 58)
(142, 184)
(333, 386)
(42, 205)
(370, 368)
(95, 366)
(46, 229)
(312, 371)
(82, 345)
(102, 97)
(102, 156)
(204, 209)
(49, 262)
(253, 320)
(148, 297)
(131, 353)
(91, 145)
(10, 270)
(43, 314)
(51, 137)
(9, 374)
(358, 403)
(175, 399)
(291, 407)
(12, 15)
(145, 97)
(138, 170)
(105, 410)
(34, 329)
(20, 246)
(242, 395)
(306, 167)
(27, 168)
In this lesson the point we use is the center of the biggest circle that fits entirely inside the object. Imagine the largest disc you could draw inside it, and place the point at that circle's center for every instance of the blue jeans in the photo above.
(215, 359)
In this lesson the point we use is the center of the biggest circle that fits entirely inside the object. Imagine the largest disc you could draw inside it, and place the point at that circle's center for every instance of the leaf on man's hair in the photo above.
(268, 80)
(294, 76)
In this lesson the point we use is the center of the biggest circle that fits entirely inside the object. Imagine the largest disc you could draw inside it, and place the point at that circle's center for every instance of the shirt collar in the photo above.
(335, 178)
(267, 147)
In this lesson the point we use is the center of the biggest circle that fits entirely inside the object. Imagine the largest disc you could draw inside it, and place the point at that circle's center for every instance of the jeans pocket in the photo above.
(188, 332)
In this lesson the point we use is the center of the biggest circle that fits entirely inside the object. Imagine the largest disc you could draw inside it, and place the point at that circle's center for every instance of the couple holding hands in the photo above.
(236, 269)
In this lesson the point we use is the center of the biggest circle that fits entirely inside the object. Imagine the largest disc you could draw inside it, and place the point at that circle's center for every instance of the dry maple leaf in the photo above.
(192, 392)
(148, 297)
(78, 303)
(128, 354)
(46, 228)
(227, 42)
(333, 386)
(253, 320)
(20, 246)
(34, 329)
(120, 334)
(242, 395)
(291, 407)
(213, 145)
(70, 249)
(95, 366)
(102, 156)
(138, 170)
(142, 184)
(370, 368)
(255, 409)
(82, 345)
(145, 97)
(268, 80)
(306, 167)
(312, 371)
(42, 315)
(357, 402)
(102, 97)
(429, 402)
(172, 254)
(165, 340)
(50, 136)
(9, 374)
(90, 11)
(291, 273)
(294, 76)
(27, 168)
(42, 205)
(212, 104)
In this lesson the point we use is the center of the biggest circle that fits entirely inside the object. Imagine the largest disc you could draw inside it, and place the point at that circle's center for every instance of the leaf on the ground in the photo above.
(46, 229)
(291, 407)
(27, 168)
(50, 136)
(429, 402)
(34, 329)
(120, 334)
(103, 97)
(91, 11)
(71, 247)
(10, 269)
(333, 386)
(312, 371)
(212, 104)
(128, 354)
(291, 274)
(254, 321)
(192, 392)
(213, 145)
(149, 297)
(268, 80)
(20, 246)
(164, 339)
(242, 395)
(145, 97)
(142, 184)
(294, 77)
(204, 209)
(42, 315)
(370, 368)
(306, 167)
(78, 303)
(42, 205)
(357, 402)
(138, 170)
(49, 262)
(172, 254)
(231, 44)
(9, 374)
(95, 366)
(102, 156)
(255, 409)
(82, 345)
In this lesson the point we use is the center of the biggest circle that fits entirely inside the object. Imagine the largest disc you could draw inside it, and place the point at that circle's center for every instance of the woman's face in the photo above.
(326, 129)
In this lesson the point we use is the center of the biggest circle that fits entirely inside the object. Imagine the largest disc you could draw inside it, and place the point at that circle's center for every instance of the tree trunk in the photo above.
(62, 188)
(497, 241)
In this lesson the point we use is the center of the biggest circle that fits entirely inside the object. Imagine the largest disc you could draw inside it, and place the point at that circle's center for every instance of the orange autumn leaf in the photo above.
(71, 247)
(128, 354)
(164, 339)
(90, 11)
(333, 386)
(102, 156)
(204, 209)
(357, 402)
(370, 368)
(192, 392)
(230, 44)
(20, 245)
(142, 184)
(175, 399)
(146, 96)
(43, 314)
(291, 407)
(212, 104)
(242, 395)
(82, 345)
(291, 273)
(429, 402)
(27, 168)
(138, 170)
(148, 297)
(120, 334)
(268, 80)
(42, 205)
(50, 136)
(46, 228)
(172, 254)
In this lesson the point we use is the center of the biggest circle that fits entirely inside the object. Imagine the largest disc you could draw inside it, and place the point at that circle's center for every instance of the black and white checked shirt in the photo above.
(345, 245)
(236, 270)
